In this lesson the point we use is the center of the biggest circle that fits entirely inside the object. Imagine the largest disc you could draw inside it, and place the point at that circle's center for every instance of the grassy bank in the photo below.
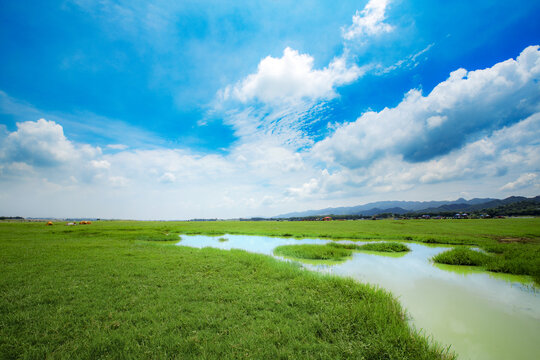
(462, 256)
(120, 290)
(510, 259)
(335, 251)
(313, 252)
(388, 247)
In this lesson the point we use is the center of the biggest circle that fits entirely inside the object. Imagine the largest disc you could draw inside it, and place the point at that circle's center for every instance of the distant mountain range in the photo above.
(404, 207)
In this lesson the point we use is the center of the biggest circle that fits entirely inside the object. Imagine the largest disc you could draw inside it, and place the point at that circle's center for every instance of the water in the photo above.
(481, 315)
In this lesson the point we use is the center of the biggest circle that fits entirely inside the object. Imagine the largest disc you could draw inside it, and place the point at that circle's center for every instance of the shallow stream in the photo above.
(481, 315)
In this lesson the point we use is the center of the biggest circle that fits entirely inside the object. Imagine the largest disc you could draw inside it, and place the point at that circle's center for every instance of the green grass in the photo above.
(390, 247)
(335, 251)
(462, 256)
(222, 239)
(313, 252)
(517, 259)
(116, 290)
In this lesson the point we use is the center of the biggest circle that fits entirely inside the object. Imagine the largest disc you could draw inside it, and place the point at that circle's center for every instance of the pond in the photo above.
(480, 315)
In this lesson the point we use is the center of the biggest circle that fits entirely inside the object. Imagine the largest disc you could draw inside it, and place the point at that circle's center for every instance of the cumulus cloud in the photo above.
(369, 21)
(459, 110)
(525, 180)
(501, 155)
(43, 143)
(292, 78)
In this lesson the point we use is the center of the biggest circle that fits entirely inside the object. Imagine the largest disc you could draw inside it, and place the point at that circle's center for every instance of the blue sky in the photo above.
(158, 110)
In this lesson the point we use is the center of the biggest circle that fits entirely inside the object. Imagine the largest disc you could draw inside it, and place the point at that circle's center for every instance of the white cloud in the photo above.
(283, 98)
(268, 157)
(100, 164)
(457, 111)
(167, 178)
(20, 168)
(292, 78)
(482, 165)
(525, 180)
(435, 121)
(118, 181)
(131, 183)
(369, 21)
(117, 146)
(408, 62)
(83, 123)
(305, 189)
(41, 142)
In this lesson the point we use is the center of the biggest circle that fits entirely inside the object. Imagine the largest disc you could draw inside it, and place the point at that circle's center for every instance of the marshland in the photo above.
(165, 289)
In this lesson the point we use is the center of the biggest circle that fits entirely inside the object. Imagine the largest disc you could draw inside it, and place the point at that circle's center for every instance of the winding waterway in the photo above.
(480, 315)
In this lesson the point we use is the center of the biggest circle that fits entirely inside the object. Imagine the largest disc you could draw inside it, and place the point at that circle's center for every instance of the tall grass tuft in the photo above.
(462, 256)
(378, 246)
(313, 252)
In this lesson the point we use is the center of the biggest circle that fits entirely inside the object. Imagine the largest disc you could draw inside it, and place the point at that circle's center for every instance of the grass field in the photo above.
(122, 290)
(119, 289)
(472, 232)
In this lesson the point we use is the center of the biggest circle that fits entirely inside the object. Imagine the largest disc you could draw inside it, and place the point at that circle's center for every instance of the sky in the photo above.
(220, 109)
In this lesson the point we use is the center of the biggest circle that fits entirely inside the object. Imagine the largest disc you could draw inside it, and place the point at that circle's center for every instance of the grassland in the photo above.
(122, 290)
(458, 232)
(119, 289)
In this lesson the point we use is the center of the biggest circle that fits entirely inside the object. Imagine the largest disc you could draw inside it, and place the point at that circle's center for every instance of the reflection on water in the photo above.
(481, 315)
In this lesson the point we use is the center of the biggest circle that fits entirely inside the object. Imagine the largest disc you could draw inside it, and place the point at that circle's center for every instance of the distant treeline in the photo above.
(11, 218)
